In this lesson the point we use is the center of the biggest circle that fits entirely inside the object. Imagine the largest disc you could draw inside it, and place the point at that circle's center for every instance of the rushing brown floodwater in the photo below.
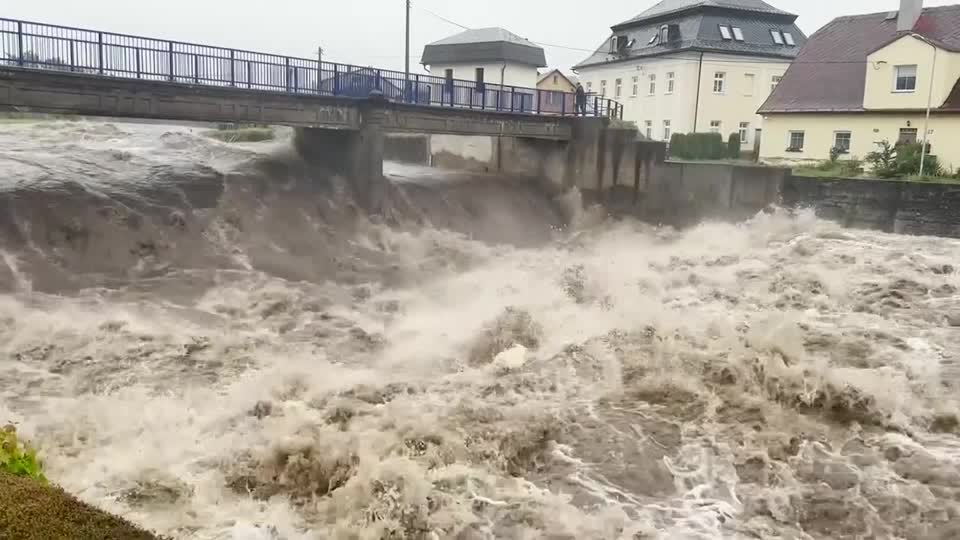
(210, 341)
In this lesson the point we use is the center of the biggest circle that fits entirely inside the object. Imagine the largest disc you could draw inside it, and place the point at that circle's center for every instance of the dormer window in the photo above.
(725, 32)
(664, 34)
(788, 37)
(777, 37)
(737, 34)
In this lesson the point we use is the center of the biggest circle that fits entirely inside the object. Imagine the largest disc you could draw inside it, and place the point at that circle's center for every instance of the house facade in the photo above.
(556, 81)
(864, 79)
(687, 66)
(486, 55)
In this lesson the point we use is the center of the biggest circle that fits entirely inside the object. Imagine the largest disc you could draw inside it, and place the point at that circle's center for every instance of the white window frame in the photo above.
(667, 130)
(589, 86)
(652, 84)
(648, 124)
(618, 88)
(737, 33)
(716, 126)
(603, 88)
(744, 133)
(720, 82)
(671, 82)
(636, 86)
(803, 137)
(750, 81)
(725, 32)
(788, 37)
(849, 135)
(777, 36)
(896, 79)
(775, 81)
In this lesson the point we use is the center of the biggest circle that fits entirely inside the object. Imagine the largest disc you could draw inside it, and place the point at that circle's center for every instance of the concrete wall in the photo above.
(899, 207)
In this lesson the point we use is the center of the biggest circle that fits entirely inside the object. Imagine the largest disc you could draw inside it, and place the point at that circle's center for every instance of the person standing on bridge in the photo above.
(581, 101)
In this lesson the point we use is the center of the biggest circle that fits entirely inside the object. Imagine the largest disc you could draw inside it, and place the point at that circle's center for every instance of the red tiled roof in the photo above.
(829, 74)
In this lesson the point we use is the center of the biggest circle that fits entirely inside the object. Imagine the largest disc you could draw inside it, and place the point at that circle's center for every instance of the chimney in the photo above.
(909, 13)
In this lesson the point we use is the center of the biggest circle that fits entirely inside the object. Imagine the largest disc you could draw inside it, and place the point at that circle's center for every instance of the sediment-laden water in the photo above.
(213, 341)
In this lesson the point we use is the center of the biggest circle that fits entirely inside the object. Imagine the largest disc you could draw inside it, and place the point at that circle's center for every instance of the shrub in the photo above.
(908, 161)
(851, 167)
(18, 458)
(677, 145)
(884, 160)
(826, 166)
(733, 146)
(835, 154)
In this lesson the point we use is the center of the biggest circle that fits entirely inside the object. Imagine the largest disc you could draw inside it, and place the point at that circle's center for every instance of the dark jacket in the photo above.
(581, 95)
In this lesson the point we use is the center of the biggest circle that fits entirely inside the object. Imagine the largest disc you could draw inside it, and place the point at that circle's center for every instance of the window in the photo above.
(774, 82)
(556, 79)
(649, 125)
(788, 37)
(907, 136)
(664, 34)
(796, 141)
(636, 86)
(749, 79)
(744, 132)
(906, 78)
(725, 32)
(618, 89)
(841, 141)
(603, 88)
(448, 75)
(715, 126)
(719, 78)
(671, 82)
(737, 34)
(479, 79)
(589, 87)
(653, 85)
(666, 130)
(777, 37)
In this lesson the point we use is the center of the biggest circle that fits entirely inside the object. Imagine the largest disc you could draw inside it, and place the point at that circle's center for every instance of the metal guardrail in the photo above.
(43, 46)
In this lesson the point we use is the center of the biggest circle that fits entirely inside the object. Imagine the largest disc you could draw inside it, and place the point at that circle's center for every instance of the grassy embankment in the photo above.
(33, 509)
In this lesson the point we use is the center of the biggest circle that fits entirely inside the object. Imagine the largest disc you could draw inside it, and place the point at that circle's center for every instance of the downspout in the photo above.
(696, 105)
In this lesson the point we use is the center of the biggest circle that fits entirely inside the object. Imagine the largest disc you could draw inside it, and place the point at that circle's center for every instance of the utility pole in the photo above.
(406, 59)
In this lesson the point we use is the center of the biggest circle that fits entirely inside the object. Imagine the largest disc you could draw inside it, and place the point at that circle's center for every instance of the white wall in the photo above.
(736, 104)
(513, 75)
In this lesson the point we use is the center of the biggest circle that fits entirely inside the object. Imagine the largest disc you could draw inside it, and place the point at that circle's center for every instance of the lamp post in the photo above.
(926, 122)
(406, 59)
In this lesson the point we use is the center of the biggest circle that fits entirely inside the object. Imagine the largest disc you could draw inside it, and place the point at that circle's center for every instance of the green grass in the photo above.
(241, 135)
(17, 458)
(838, 174)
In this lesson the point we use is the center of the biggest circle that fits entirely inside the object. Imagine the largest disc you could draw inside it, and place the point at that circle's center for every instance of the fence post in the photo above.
(170, 47)
(336, 79)
(513, 98)
(73, 57)
(596, 105)
(483, 98)
(563, 104)
(249, 75)
(19, 43)
(319, 76)
(539, 98)
(286, 64)
(233, 75)
(196, 68)
(416, 88)
(100, 49)
(138, 61)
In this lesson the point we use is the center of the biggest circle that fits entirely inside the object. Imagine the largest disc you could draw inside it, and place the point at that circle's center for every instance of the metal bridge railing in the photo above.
(42, 46)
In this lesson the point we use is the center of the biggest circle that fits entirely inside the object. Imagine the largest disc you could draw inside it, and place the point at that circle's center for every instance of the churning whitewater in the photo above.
(213, 341)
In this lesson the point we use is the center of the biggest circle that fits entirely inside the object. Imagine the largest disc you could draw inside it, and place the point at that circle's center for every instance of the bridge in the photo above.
(340, 110)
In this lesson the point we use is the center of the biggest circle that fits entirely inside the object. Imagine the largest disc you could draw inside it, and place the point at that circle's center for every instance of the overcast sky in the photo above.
(371, 32)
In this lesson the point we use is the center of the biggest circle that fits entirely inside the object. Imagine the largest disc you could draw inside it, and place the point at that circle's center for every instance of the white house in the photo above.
(486, 55)
(686, 66)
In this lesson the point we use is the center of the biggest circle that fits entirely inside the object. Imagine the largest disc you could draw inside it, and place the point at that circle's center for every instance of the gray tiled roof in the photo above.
(484, 45)
(700, 31)
(667, 7)
(829, 74)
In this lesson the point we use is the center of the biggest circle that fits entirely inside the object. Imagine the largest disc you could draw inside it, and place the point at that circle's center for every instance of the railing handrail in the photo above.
(453, 92)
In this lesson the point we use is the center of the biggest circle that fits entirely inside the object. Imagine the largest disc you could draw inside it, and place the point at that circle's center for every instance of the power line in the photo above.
(442, 18)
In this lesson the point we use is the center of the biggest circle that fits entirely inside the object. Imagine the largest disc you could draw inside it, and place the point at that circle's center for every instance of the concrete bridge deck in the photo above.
(54, 91)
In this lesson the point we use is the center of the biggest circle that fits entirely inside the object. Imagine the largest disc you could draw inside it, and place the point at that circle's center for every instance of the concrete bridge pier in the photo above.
(357, 155)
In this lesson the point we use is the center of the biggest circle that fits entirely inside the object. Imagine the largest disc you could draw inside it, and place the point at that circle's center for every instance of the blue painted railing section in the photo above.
(43, 46)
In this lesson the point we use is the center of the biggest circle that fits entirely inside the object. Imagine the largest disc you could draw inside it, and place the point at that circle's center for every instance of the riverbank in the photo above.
(31, 510)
